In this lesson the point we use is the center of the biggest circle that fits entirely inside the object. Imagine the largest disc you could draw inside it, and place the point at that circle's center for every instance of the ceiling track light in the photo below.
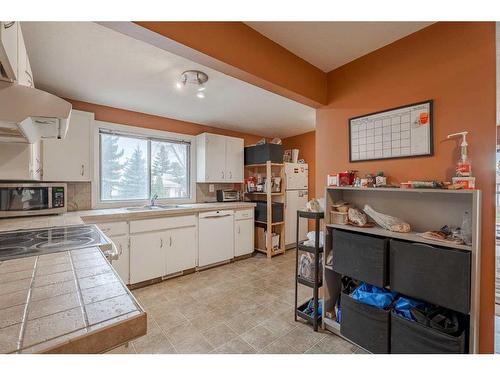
(195, 78)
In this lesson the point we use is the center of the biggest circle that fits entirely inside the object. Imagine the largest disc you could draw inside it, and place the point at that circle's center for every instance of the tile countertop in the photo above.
(67, 302)
(114, 214)
(73, 301)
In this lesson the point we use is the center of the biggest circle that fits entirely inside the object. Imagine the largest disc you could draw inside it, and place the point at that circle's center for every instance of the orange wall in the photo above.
(306, 145)
(125, 117)
(244, 53)
(452, 63)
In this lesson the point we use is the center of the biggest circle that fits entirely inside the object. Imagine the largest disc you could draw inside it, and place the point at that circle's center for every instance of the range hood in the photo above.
(28, 115)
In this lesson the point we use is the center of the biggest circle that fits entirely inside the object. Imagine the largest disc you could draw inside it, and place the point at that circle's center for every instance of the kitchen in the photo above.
(86, 178)
(158, 213)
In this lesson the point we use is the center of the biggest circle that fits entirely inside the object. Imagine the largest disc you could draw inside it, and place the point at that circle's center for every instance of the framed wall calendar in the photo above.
(393, 133)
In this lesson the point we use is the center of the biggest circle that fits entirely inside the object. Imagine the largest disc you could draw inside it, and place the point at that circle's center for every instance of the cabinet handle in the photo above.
(161, 242)
(230, 175)
(222, 174)
(170, 241)
(82, 172)
(121, 249)
(30, 78)
(8, 25)
(239, 229)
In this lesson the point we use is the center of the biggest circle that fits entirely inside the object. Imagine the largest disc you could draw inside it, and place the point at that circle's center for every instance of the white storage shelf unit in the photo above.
(424, 210)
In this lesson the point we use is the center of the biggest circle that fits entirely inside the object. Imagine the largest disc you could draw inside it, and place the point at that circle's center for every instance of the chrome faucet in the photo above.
(153, 199)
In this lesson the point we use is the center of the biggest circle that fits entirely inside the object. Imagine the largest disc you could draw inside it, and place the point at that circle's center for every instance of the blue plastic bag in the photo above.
(309, 310)
(373, 296)
(403, 306)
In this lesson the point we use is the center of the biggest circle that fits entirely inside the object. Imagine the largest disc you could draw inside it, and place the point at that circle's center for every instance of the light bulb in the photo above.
(200, 94)
(201, 88)
(178, 85)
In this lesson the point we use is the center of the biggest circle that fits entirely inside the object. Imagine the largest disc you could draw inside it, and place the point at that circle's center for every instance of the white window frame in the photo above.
(139, 132)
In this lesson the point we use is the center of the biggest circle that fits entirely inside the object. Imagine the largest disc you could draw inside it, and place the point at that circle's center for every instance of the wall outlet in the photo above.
(211, 188)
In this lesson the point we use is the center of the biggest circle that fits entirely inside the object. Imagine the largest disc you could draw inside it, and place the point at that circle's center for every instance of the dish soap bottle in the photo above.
(463, 168)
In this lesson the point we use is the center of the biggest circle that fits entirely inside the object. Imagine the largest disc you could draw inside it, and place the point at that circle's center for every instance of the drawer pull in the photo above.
(8, 25)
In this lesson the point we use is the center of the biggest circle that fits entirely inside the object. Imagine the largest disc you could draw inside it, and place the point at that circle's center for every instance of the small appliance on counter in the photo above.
(228, 196)
(29, 199)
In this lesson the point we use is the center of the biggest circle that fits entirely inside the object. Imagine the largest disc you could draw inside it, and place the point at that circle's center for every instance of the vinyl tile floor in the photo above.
(242, 307)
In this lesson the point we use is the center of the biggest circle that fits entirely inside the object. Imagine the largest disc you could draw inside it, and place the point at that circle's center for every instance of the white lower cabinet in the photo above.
(122, 264)
(181, 249)
(243, 237)
(170, 249)
(147, 256)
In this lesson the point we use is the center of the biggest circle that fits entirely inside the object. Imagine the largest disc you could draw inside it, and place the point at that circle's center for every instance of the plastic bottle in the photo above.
(464, 168)
(466, 229)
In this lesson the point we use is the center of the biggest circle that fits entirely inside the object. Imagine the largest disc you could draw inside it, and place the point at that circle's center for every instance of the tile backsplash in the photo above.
(79, 196)
(203, 194)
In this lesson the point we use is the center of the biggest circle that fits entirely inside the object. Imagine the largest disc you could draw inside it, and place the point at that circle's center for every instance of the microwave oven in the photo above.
(29, 199)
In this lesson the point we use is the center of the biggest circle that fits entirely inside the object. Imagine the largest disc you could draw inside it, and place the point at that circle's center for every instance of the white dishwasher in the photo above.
(216, 237)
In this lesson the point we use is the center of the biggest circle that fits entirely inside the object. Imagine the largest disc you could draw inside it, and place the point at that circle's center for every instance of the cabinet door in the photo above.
(36, 161)
(234, 159)
(23, 75)
(69, 159)
(215, 158)
(244, 237)
(18, 161)
(147, 257)
(122, 264)
(181, 249)
(8, 32)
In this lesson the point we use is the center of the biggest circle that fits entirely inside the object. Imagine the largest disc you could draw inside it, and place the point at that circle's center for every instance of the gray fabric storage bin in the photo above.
(362, 257)
(261, 211)
(433, 274)
(365, 325)
(409, 337)
(259, 154)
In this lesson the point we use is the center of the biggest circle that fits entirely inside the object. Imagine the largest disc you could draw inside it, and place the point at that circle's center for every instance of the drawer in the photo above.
(408, 337)
(114, 229)
(365, 325)
(243, 214)
(149, 225)
(362, 257)
(433, 274)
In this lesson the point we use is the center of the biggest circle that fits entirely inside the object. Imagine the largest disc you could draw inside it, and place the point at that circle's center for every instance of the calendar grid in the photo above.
(394, 133)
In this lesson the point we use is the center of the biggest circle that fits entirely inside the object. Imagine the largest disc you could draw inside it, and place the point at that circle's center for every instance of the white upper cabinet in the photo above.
(8, 50)
(13, 56)
(219, 158)
(69, 159)
(20, 161)
(24, 73)
(234, 159)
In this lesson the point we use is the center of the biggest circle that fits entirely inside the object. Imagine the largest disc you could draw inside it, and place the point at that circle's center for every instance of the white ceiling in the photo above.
(328, 45)
(89, 62)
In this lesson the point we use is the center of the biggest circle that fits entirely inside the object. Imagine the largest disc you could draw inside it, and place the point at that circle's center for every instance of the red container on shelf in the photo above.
(347, 178)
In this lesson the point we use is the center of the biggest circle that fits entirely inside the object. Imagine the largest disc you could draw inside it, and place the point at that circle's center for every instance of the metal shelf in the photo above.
(311, 214)
(309, 318)
(307, 282)
(316, 283)
(309, 249)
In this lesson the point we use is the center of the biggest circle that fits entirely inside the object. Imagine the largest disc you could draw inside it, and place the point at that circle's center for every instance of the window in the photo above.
(137, 168)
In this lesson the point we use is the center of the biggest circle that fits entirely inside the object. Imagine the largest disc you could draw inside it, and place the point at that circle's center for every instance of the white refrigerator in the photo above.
(296, 185)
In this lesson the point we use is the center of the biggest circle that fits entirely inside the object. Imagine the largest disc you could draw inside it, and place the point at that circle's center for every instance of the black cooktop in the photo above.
(24, 243)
